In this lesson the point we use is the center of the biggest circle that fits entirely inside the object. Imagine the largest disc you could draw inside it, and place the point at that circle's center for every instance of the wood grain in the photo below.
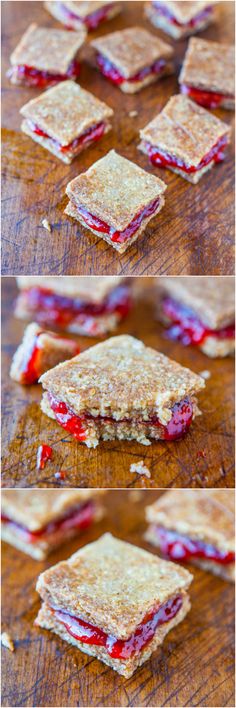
(205, 457)
(194, 233)
(194, 666)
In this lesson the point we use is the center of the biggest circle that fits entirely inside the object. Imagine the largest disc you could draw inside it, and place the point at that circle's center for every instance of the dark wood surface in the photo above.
(194, 232)
(194, 666)
(205, 457)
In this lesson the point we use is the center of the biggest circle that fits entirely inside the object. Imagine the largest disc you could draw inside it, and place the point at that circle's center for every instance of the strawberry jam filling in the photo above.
(181, 419)
(111, 72)
(208, 99)
(117, 236)
(165, 12)
(40, 78)
(164, 159)
(91, 21)
(78, 517)
(61, 311)
(179, 547)
(119, 648)
(31, 366)
(43, 455)
(91, 135)
(187, 328)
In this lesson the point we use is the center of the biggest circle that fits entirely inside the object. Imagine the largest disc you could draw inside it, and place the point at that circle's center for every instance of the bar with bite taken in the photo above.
(90, 13)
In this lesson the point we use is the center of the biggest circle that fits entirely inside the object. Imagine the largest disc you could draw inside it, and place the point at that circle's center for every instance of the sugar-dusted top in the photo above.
(115, 189)
(185, 129)
(186, 11)
(112, 584)
(35, 508)
(209, 65)
(132, 49)
(93, 289)
(123, 377)
(48, 49)
(211, 298)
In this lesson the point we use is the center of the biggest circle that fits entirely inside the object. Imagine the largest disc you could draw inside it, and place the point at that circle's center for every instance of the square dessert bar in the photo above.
(38, 520)
(90, 306)
(180, 19)
(115, 199)
(208, 74)
(133, 58)
(66, 119)
(46, 56)
(199, 311)
(185, 138)
(121, 389)
(195, 526)
(114, 601)
(39, 351)
(90, 13)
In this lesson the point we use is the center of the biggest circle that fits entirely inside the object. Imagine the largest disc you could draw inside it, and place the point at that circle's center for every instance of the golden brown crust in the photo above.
(52, 351)
(115, 190)
(36, 508)
(124, 377)
(112, 584)
(212, 299)
(185, 130)
(132, 49)
(48, 49)
(93, 288)
(209, 66)
(66, 111)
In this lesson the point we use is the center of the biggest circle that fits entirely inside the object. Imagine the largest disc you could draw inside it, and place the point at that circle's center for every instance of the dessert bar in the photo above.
(45, 56)
(196, 527)
(121, 389)
(90, 306)
(90, 13)
(38, 520)
(133, 58)
(208, 74)
(39, 351)
(185, 138)
(199, 311)
(115, 199)
(114, 601)
(66, 119)
(180, 19)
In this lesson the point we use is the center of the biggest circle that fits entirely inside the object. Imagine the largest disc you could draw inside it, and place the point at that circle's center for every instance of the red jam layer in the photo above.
(161, 10)
(182, 414)
(62, 311)
(35, 77)
(43, 455)
(165, 159)
(31, 368)
(91, 135)
(91, 21)
(80, 517)
(179, 547)
(118, 648)
(208, 99)
(187, 327)
(111, 72)
(117, 236)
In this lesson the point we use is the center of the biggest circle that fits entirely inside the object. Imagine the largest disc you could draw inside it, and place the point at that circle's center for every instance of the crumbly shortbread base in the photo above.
(47, 620)
(173, 30)
(55, 11)
(193, 177)
(48, 144)
(135, 86)
(72, 211)
(214, 347)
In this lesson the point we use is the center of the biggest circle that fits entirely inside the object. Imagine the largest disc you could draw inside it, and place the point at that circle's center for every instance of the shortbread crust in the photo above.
(180, 19)
(87, 13)
(209, 66)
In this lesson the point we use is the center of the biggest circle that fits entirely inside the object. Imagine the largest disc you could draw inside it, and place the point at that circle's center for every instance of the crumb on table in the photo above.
(140, 468)
(205, 374)
(133, 114)
(46, 225)
(6, 641)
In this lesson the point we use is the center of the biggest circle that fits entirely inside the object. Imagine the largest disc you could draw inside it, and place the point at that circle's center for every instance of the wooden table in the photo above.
(194, 667)
(205, 457)
(194, 232)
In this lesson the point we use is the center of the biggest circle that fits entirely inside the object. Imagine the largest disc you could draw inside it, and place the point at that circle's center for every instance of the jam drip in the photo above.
(179, 547)
(91, 21)
(80, 517)
(181, 419)
(61, 311)
(187, 327)
(118, 648)
(204, 15)
(91, 135)
(208, 99)
(164, 159)
(111, 72)
(43, 455)
(40, 78)
(117, 236)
